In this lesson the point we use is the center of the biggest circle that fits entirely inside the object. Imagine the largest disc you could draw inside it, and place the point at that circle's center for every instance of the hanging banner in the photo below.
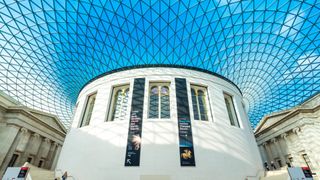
(184, 124)
(135, 124)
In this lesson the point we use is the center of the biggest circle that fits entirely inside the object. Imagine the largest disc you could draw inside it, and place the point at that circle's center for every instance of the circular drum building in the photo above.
(160, 123)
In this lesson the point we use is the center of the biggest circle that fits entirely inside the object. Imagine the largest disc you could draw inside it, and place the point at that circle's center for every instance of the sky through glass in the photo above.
(50, 49)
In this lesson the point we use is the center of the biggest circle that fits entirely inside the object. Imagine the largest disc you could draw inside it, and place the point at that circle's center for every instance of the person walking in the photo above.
(266, 166)
(273, 166)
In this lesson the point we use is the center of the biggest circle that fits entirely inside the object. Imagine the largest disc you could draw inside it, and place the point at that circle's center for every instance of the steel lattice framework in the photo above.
(49, 49)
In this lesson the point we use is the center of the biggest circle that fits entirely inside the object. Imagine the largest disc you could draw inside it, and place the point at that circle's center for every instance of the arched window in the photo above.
(159, 101)
(231, 110)
(199, 106)
(119, 103)
(88, 110)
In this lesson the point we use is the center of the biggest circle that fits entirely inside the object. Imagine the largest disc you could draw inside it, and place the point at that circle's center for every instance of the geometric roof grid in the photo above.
(50, 49)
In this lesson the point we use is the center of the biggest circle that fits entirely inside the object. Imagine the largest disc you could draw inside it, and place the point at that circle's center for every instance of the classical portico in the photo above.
(291, 137)
(28, 135)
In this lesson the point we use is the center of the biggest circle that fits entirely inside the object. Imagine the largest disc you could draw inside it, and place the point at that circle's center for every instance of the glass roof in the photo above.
(50, 49)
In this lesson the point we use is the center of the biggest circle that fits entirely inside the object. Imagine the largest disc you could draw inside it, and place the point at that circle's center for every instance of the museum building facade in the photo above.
(291, 137)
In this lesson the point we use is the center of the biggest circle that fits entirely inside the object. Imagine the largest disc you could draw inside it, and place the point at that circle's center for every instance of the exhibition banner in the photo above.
(135, 124)
(184, 124)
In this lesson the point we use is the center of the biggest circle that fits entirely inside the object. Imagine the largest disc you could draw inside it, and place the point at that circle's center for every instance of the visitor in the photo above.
(64, 176)
(266, 166)
(273, 166)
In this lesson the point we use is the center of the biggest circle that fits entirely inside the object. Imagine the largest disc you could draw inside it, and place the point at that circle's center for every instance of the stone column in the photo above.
(46, 148)
(56, 157)
(50, 155)
(24, 140)
(46, 145)
(267, 149)
(297, 159)
(41, 149)
(291, 150)
(263, 153)
(14, 136)
(279, 151)
(32, 147)
(273, 151)
(8, 135)
(285, 147)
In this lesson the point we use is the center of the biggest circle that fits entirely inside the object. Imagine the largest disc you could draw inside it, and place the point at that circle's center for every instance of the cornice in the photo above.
(54, 135)
(34, 118)
(292, 114)
(264, 119)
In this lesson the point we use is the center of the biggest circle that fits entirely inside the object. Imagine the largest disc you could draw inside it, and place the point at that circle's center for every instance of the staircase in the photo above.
(36, 173)
(281, 174)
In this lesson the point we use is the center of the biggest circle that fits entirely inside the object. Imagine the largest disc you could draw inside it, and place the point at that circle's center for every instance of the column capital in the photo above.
(47, 140)
(296, 130)
(264, 144)
(24, 130)
(274, 140)
(56, 144)
(284, 135)
(36, 135)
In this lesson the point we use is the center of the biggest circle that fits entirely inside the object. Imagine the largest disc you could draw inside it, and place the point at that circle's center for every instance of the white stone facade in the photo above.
(292, 137)
(97, 151)
(28, 135)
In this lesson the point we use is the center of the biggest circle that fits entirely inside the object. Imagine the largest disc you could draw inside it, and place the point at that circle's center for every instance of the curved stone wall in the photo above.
(219, 148)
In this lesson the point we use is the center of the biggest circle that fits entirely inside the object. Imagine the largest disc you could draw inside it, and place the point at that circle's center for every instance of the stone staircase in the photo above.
(36, 173)
(281, 174)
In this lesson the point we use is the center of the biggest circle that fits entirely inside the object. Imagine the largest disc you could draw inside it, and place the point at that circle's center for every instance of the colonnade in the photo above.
(30, 146)
(290, 148)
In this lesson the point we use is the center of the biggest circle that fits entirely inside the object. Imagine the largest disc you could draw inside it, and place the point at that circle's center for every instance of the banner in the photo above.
(184, 124)
(135, 124)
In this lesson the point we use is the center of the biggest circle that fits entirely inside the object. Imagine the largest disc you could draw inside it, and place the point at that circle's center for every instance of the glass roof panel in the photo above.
(50, 49)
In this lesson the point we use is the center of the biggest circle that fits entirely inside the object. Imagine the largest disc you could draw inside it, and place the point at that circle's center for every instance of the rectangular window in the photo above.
(88, 110)
(13, 160)
(159, 101)
(231, 110)
(119, 103)
(199, 103)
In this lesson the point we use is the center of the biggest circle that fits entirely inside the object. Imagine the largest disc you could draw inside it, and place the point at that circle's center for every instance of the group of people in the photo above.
(266, 166)
(273, 167)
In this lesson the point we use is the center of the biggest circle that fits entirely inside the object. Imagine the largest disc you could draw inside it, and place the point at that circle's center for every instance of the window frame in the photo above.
(236, 115)
(13, 160)
(111, 106)
(95, 93)
(159, 84)
(207, 109)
